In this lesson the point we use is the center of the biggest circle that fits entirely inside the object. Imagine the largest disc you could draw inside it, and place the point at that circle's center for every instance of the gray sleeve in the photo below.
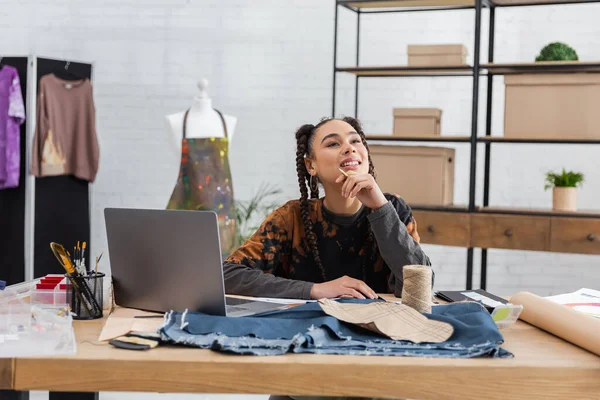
(246, 281)
(396, 245)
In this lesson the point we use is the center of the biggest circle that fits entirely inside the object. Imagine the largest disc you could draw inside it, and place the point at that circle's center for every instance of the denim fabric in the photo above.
(307, 329)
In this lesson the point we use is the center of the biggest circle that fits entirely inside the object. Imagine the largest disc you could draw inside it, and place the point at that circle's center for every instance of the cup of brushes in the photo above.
(85, 288)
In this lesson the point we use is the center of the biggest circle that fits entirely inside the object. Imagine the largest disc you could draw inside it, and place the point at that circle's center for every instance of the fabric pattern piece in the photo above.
(65, 139)
(12, 115)
(307, 329)
(395, 321)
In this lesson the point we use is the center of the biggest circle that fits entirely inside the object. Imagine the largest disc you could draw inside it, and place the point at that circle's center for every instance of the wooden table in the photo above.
(544, 367)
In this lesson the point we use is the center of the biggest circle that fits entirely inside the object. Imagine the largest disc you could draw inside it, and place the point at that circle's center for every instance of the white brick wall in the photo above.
(269, 63)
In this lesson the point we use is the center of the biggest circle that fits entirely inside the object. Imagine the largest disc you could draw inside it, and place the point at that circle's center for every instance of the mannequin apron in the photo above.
(204, 182)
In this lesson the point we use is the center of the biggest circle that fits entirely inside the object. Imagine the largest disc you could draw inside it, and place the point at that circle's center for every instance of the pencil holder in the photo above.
(85, 295)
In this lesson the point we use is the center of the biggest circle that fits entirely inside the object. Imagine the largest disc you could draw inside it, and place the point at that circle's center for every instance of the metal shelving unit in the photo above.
(476, 71)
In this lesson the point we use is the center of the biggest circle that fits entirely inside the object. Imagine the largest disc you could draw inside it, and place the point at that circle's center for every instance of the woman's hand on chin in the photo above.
(363, 187)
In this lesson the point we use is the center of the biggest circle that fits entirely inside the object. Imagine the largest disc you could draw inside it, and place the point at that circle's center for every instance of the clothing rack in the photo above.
(40, 210)
(62, 203)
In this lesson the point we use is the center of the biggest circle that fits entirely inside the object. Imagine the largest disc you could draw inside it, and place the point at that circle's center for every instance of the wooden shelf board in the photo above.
(399, 4)
(403, 70)
(467, 70)
(442, 139)
(502, 139)
(541, 67)
(539, 211)
(506, 3)
(451, 208)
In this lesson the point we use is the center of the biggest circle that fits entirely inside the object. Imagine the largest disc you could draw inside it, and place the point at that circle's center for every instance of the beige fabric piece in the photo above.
(121, 322)
(396, 321)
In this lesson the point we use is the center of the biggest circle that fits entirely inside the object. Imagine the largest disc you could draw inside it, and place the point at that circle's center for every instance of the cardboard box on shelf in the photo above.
(421, 175)
(415, 122)
(552, 106)
(437, 55)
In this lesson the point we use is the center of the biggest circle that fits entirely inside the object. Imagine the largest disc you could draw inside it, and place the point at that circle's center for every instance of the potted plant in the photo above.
(557, 51)
(249, 214)
(564, 189)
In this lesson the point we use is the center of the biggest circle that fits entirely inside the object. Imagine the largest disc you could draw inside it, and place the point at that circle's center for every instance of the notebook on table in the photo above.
(489, 301)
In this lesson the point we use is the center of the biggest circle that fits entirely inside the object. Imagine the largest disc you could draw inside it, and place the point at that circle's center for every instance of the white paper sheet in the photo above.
(583, 300)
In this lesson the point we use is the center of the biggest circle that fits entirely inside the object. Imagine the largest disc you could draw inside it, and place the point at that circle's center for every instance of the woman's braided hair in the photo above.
(304, 140)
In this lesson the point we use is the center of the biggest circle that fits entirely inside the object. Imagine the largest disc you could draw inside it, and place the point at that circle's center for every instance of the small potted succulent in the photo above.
(557, 51)
(564, 189)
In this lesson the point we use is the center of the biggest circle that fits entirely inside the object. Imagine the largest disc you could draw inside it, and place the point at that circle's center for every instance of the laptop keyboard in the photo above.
(234, 301)
(231, 309)
(234, 304)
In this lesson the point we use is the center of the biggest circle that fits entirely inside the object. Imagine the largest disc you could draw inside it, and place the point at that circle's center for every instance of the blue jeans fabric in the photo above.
(307, 329)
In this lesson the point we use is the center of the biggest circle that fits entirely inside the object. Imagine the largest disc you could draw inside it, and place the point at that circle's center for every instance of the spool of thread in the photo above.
(416, 291)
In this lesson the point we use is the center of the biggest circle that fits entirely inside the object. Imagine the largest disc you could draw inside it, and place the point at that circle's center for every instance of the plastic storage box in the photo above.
(50, 290)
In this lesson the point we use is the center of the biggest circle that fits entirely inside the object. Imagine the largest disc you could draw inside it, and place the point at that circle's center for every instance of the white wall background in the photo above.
(270, 64)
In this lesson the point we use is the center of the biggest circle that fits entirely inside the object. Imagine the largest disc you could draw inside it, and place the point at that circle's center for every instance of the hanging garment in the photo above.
(204, 182)
(65, 141)
(12, 115)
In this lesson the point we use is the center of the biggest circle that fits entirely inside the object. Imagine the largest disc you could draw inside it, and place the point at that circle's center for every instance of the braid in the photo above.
(313, 182)
(302, 146)
(370, 242)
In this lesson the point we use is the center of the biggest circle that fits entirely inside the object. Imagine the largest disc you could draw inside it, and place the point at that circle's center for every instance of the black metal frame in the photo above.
(488, 133)
(476, 72)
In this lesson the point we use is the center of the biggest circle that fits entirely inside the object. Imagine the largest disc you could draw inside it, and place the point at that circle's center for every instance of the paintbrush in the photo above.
(65, 261)
(81, 288)
(96, 272)
(83, 268)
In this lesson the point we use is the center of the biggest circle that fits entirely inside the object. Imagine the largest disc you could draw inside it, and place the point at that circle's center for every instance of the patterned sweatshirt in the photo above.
(276, 261)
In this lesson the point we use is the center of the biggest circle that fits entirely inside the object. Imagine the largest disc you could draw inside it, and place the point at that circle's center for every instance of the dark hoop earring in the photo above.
(311, 184)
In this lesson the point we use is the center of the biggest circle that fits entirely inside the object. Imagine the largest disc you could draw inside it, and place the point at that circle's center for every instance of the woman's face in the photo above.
(337, 145)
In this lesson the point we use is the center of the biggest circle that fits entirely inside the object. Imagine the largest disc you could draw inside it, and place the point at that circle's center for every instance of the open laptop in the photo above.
(164, 260)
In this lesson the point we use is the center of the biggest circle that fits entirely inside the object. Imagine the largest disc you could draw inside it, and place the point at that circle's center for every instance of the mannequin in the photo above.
(201, 137)
(203, 121)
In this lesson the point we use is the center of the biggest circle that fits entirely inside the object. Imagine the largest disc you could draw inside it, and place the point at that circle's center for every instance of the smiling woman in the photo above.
(352, 242)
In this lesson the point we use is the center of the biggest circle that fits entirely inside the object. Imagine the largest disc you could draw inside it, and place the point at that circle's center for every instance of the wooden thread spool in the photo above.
(416, 290)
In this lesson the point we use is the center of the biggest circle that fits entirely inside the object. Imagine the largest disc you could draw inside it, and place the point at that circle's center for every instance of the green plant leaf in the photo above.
(563, 179)
(557, 51)
(256, 209)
